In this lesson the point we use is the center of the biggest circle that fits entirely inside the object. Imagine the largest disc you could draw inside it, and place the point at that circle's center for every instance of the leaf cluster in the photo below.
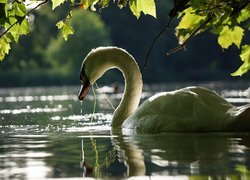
(136, 6)
(228, 19)
(12, 18)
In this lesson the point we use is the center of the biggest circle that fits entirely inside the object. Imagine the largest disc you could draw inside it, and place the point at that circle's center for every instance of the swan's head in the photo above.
(96, 63)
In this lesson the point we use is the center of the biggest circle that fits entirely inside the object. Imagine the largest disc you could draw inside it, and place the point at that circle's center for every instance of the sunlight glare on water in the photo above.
(43, 130)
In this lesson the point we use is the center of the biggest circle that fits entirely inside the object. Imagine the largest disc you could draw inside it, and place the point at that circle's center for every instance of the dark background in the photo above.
(44, 58)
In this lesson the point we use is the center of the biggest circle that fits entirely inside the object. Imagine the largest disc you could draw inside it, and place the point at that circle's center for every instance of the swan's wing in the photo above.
(241, 118)
(185, 110)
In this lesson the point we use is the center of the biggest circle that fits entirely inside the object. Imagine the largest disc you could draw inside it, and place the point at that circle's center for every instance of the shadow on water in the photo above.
(46, 136)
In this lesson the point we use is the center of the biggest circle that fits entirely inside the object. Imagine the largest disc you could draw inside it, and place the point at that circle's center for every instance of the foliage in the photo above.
(245, 57)
(138, 6)
(12, 19)
(28, 53)
(228, 19)
(28, 64)
(67, 57)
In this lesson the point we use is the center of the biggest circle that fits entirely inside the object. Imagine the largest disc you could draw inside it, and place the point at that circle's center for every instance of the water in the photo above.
(46, 133)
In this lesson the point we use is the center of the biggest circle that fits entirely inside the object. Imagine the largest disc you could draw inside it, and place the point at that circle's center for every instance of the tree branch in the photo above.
(197, 29)
(22, 18)
(154, 41)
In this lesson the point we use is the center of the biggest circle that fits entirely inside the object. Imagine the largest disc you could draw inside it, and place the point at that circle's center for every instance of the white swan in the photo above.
(191, 109)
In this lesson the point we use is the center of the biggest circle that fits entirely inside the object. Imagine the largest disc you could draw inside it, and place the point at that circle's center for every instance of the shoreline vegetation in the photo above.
(43, 58)
(44, 78)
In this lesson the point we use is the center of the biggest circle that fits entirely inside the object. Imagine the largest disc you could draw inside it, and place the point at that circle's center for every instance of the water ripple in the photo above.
(34, 110)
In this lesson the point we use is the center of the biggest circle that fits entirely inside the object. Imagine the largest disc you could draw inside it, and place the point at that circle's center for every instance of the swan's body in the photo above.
(191, 109)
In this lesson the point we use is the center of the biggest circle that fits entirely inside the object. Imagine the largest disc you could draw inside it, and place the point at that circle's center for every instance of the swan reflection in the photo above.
(125, 154)
(216, 155)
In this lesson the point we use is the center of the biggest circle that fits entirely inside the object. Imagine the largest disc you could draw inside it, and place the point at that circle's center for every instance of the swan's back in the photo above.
(191, 109)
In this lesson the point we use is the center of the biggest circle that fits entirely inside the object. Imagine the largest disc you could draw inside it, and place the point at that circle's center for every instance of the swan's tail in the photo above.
(241, 118)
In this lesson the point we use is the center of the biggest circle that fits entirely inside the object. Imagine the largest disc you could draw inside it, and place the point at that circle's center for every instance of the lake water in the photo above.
(46, 133)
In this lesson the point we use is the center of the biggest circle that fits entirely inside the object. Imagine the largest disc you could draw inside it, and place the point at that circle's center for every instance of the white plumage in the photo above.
(191, 109)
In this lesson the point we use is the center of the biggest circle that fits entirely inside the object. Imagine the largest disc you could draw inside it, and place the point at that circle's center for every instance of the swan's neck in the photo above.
(132, 90)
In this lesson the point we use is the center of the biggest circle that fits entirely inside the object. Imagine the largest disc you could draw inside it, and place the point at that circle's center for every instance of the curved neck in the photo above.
(132, 90)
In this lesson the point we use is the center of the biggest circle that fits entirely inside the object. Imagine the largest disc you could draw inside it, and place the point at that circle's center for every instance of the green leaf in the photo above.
(145, 6)
(66, 31)
(245, 57)
(216, 30)
(20, 28)
(228, 36)
(60, 24)
(6, 9)
(89, 3)
(104, 3)
(244, 15)
(135, 11)
(24, 27)
(4, 47)
(19, 9)
(190, 20)
(237, 36)
(4, 1)
(56, 3)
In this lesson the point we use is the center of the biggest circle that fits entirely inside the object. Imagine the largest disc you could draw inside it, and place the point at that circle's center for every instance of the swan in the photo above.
(190, 109)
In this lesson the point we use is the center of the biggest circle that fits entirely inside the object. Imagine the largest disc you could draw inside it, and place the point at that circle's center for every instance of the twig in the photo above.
(22, 18)
(154, 41)
(209, 9)
(182, 46)
(68, 15)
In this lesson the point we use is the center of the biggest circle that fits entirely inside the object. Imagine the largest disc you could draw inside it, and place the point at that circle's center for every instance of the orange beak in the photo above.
(85, 85)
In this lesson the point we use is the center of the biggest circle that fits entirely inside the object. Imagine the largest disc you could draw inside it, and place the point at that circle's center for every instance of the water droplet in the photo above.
(81, 108)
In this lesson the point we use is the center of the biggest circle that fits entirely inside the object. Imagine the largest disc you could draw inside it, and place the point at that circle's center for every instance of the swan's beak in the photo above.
(85, 86)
